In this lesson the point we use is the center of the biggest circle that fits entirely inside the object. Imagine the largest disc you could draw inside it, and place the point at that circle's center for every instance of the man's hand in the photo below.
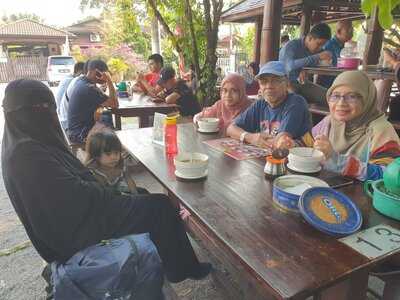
(284, 141)
(105, 77)
(325, 55)
(140, 76)
(262, 140)
(302, 77)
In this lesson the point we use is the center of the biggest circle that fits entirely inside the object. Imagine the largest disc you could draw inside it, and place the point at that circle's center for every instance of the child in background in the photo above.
(105, 161)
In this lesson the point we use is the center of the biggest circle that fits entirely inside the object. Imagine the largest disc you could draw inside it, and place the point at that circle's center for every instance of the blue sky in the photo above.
(54, 12)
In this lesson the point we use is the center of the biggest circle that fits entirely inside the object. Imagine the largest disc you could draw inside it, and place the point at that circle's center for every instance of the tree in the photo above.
(19, 16)
(192, 28)
(385, 8)
(121, 23)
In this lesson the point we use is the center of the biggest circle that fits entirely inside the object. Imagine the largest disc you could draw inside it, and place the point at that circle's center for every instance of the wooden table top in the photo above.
(286, 255)
(372, 71)
(137, 101)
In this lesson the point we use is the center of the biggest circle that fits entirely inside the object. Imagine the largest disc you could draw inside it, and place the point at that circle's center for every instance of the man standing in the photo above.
(177, 92)
(277, 119)
(304, 52)
(84, 99)
(344, 33)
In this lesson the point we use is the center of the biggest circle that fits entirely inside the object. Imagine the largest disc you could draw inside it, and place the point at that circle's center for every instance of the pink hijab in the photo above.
(226, 113)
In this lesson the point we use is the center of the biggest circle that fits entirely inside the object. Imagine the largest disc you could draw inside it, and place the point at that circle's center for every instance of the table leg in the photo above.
(354, 288)
(118, 122)
(144, 121)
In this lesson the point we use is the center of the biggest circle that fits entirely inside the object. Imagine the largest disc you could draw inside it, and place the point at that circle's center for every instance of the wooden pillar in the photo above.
(271, 30)
(305, 22)
(257, 40)
(374, 40)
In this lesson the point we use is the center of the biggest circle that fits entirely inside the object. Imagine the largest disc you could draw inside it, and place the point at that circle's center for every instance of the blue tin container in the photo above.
(330, 211)
(288, 189)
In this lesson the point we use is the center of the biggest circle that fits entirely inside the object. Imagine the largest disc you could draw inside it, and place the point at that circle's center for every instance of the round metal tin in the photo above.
(330, 211)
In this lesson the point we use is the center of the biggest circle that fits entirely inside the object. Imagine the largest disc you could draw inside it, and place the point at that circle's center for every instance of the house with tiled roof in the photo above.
(88, 34)
(30, 38)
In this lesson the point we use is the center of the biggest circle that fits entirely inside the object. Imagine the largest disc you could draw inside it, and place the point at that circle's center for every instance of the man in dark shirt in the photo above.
(86, 97)
(177, 92)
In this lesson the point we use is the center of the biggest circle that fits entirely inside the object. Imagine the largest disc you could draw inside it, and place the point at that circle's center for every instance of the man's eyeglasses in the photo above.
(271, 80)
(348, 98)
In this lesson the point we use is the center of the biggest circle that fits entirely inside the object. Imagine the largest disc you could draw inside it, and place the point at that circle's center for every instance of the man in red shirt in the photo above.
(147, 83)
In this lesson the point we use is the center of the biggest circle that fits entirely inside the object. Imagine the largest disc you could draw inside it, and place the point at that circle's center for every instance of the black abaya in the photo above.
(60, 204)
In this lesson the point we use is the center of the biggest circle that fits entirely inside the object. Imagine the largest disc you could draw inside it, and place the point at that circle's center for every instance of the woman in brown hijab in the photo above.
(355, 137)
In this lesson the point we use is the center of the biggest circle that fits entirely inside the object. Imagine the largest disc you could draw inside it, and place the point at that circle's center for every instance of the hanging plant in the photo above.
(385, 7)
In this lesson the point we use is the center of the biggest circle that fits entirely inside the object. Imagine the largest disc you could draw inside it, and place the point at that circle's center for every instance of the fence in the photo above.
(232, 63)
(31, 67)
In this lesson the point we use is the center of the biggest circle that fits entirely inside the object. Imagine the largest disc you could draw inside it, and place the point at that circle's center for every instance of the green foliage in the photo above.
(246, 42)
(118, 67)
(385, 7)
(19, 16)
(121, 26)
(292, 30)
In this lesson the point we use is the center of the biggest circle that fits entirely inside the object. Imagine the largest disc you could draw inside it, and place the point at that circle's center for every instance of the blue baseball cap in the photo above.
(272, 67)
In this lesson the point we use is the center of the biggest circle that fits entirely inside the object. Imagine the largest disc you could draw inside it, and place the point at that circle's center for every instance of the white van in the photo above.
(59, 66)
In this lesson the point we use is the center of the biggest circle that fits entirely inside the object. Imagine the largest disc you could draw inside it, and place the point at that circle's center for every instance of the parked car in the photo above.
(59, 66)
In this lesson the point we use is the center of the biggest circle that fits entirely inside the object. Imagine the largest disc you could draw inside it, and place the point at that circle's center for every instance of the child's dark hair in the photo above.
(102, 142)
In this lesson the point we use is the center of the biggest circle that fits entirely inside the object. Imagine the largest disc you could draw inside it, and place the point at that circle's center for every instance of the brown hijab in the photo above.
(353, 136)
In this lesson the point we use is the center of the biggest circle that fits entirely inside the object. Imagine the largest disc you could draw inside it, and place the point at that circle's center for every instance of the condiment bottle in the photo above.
(171, 135)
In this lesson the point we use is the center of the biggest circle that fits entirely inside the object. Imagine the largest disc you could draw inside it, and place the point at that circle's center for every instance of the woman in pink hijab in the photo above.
(233, 101)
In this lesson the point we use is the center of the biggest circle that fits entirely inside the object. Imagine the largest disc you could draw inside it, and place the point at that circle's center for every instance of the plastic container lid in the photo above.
(330, 211)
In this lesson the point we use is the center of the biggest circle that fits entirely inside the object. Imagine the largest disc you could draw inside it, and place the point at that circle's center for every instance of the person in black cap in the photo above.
(177, 92)
(84, 99)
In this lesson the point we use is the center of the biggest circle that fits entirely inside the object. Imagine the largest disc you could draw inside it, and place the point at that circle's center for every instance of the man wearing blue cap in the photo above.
(276, 120)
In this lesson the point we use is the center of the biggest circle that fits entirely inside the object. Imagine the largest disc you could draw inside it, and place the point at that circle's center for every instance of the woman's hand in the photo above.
(262, 140)
(284, 141)
(323, 144)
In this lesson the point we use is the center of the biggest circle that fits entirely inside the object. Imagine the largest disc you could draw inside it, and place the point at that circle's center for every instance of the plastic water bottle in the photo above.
(171, 135)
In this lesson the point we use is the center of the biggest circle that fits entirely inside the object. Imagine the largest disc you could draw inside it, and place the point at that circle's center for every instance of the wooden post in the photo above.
(305, 22)
(374, 40)
(271, 30)
(257, 40)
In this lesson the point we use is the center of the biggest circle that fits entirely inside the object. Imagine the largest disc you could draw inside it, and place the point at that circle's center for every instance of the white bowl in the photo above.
(191, 164)
(305, 159)
(208, 124)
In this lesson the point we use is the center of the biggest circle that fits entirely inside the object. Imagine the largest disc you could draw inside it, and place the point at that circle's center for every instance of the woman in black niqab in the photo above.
(61, 205)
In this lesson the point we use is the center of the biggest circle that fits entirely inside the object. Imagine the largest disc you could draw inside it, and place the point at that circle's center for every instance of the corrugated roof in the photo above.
(26, 27)
(243, 6)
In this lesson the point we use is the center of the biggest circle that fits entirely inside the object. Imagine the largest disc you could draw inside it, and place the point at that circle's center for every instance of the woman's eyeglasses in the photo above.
(348, 98)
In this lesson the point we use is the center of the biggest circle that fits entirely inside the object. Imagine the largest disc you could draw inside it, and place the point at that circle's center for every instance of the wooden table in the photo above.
(141, 106)
(373, 72)
(260, 251)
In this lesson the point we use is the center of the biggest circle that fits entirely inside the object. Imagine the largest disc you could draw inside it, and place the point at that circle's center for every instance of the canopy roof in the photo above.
(330, 11)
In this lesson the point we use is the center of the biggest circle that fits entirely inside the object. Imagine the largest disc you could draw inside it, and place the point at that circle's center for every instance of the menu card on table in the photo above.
(236, 149)
(158, 129)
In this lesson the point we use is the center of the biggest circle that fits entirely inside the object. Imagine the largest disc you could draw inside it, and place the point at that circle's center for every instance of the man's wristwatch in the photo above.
(242, 136)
